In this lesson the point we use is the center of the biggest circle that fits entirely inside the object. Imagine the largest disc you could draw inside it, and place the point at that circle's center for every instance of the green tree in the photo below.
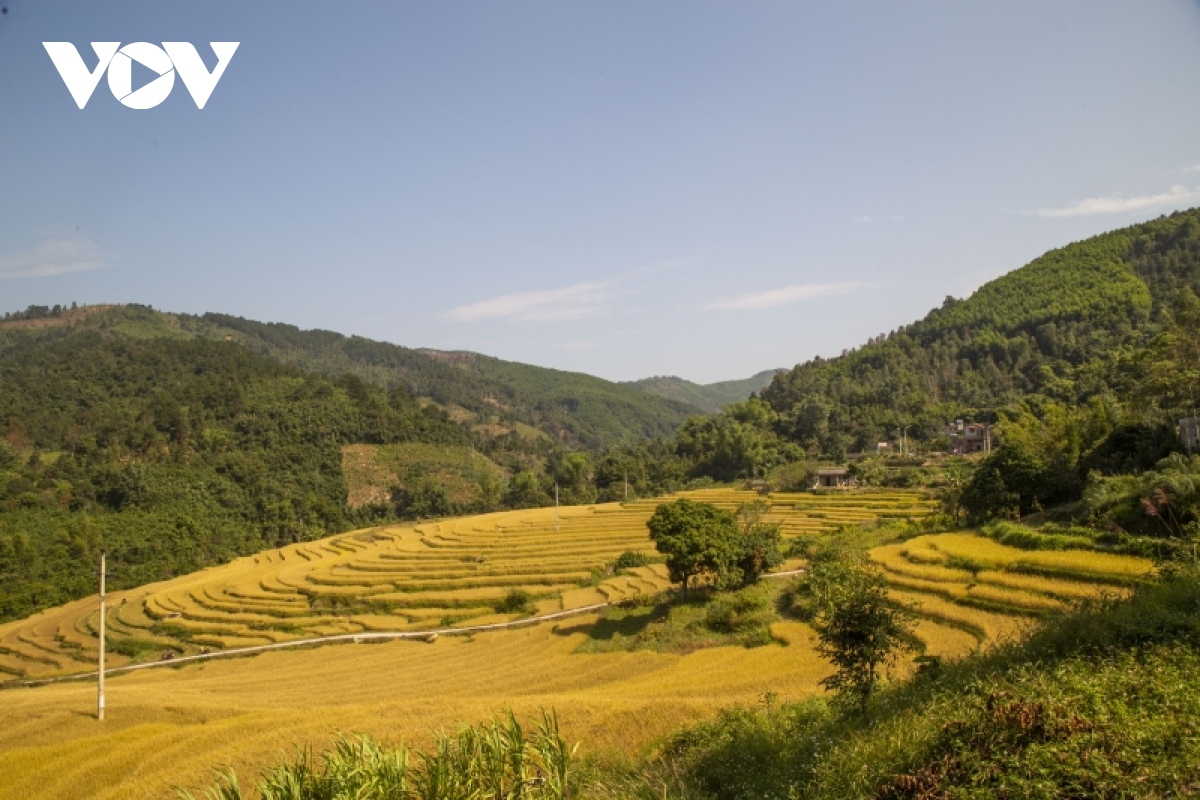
(573, 474)
(696, 538)
(844, 596)
(524, 491)
(759, 542)
(1008, 483)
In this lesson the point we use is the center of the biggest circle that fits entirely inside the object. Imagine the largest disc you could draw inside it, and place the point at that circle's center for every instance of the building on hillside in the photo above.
(883, 447)
(968, 437)
(1189, 433)
(832, 477)
(757, 486)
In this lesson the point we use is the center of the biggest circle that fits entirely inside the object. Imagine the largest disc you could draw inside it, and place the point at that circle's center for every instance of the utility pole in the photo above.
(556, 508)
(100, 670)
(626, 484)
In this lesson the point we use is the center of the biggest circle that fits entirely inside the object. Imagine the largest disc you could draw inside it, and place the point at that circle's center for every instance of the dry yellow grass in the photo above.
(891, 557)
(1014, 598)
(987, 626)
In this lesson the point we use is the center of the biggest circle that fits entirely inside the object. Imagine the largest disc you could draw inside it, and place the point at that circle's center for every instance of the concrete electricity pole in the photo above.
(556, 508)
(100, 669)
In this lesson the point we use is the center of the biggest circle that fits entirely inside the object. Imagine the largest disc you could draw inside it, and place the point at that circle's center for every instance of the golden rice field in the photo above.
(986, 587)
(428, 576)
(170, 726)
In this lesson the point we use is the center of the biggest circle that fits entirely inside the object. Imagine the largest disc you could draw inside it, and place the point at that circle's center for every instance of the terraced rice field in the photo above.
(990, 589)
(398, 578)
(171, 727)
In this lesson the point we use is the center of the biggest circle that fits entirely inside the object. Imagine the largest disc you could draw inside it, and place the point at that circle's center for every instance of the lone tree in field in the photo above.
(759, 543)
(859, 629)
(696, 538)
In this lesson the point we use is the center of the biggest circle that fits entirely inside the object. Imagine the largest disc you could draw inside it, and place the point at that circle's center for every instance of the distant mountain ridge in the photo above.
(571, 407)
(708, 397)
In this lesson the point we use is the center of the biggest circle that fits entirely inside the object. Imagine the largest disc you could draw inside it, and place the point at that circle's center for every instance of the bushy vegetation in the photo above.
(1098, 703)
(517, 601)
(701, 540)
(499, 759)
(670, 623)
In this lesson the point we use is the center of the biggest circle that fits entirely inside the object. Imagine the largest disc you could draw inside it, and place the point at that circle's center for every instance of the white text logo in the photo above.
(172, 57)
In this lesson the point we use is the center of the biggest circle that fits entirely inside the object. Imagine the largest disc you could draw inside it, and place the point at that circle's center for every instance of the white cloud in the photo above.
(53, 257)
(792, 294)
(570, 302)
(1178, 196)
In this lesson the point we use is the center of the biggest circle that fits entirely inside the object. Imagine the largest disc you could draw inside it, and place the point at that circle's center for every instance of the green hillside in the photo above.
(171, 453)
(710, 397)
(1084, 359)
(1098, 703)
(177, 442)
(571, 407)
(1055, 328)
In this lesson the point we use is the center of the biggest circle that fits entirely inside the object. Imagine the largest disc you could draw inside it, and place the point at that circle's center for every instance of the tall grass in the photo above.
(496, 760)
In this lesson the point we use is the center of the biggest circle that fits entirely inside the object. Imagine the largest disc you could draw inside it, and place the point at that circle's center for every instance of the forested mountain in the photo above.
(571, 407)
(171, 453)
(176, 441)
(708, 397)
(180, 441)
(1057, 328)
(1086, 358)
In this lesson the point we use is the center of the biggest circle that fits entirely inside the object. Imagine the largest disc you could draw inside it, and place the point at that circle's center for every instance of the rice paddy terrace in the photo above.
(435, 575)
(170, 727)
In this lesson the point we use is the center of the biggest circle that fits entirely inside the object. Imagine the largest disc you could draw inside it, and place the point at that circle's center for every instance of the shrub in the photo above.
(497, 759)
(1024, 538)
(630, 559)
(132, 648)
(517, 601)
(904, 478)
(746, 614)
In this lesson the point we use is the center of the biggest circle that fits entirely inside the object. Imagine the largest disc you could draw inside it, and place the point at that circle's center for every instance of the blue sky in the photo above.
(621, 188)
